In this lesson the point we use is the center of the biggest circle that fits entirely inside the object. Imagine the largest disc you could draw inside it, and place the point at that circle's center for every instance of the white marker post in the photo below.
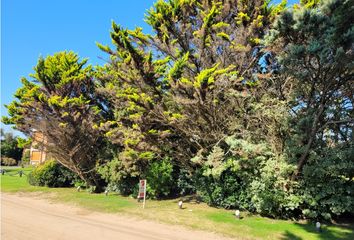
(180, 204)
(142, 190)
(237, 214)
(318, 226)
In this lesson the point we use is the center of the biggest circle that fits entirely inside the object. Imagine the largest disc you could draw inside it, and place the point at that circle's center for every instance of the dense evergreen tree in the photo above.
(318, 56)
(61, 103)
(185, 89)
(315, 48)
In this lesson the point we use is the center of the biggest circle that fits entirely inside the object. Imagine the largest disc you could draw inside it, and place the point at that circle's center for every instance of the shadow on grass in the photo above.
(328, 232)
(290, 236)
(192, 199)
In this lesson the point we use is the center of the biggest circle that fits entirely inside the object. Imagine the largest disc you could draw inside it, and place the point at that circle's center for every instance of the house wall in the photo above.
(37, 151)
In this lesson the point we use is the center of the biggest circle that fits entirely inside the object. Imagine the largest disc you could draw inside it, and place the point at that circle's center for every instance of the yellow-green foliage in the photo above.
(61, 68)
(138, 34)
(62, 125)
(209, 17)
(60, 101)
(242, 18)
(152, 131)
(220, 25)
(177, 69)
(223, 36)
(309, 3)
(173, 116)
(258, 22)
(207, 76)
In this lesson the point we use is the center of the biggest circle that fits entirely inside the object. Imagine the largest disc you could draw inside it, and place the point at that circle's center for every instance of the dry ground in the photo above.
(35, 219)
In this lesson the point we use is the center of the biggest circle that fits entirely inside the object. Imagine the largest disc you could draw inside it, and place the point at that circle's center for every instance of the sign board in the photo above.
(142, 190)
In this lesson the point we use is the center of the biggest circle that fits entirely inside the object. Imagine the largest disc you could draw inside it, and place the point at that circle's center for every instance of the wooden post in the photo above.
(142, 191)
(144, 195)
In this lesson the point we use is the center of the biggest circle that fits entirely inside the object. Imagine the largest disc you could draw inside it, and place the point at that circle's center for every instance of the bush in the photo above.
(228, 191)
(259, 182)
(125, 186)
(159, 176)
(225, 178)
(186, 182)
(25, 160)
(52, 174)
(328, 190)
(7, 161)
(248, 178)
(118, 179)
(159, 179)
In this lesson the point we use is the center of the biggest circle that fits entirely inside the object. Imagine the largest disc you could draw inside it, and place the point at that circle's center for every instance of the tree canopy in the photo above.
(61, 103)
(246, 103)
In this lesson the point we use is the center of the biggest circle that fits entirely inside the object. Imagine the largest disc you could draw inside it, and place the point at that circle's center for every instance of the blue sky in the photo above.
(33, 28)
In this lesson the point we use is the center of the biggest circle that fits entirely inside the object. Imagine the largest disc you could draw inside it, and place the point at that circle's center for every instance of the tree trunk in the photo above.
(92, 179)
(304, 157)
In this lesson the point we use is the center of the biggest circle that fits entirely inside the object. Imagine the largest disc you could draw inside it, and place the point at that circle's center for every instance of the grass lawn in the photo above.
(194, 215)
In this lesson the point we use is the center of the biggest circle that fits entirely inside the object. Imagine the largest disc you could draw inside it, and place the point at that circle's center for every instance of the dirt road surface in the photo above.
(29, 218)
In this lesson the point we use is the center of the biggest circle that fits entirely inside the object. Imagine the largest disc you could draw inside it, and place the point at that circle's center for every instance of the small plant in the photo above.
(52, 174)
(79, 183)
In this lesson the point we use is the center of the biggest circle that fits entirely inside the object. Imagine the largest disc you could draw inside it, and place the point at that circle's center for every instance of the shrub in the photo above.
(229, 191)
(125, 186)
(226, 176)
(7, 161)
(186, 182)
(249, 177)
(328, 190)
(25, 160)
(259, 182)
(159, 175)
(159, 179)
(119, 180)
(51, 174)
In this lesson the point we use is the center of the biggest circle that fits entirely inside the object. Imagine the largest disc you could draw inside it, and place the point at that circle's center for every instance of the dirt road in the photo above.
(28, 218)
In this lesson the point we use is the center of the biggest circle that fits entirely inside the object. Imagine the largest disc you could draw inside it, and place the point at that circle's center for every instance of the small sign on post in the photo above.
(142, 191)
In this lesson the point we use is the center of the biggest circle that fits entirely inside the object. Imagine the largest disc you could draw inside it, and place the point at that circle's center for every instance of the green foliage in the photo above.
(317, 39)
(51, 174)
(160, 182)
(10, 147)
(192, 92)
(159, 175)
(309, 3)
(186, 182)
(252, 178)
(327, 191)
(25, 160)
(246, 176)
(119, 180)
(7, 161)
(227, 191)
(62, 89)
